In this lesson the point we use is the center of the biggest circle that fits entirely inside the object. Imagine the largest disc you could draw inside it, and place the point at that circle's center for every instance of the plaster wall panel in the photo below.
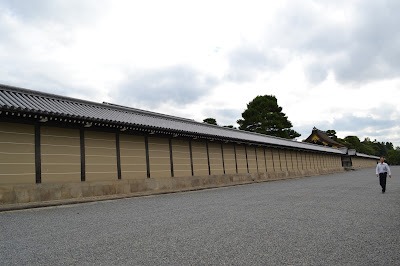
(159, 157)
(17, 154)
(229, 159)
(252, 160)
(60, 154)
(241, 159)
(133, 157)
(270, 161)
(181, 157)
(277, 160)
(261, 160)
(100, 156)
(289, 158)
(200, 161)
(215, 153)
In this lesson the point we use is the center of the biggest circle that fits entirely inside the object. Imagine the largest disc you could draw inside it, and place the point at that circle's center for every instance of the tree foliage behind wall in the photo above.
(263, 115)
(367, 146)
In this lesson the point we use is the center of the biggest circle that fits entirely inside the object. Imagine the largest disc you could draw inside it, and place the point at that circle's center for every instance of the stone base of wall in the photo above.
(23, 196)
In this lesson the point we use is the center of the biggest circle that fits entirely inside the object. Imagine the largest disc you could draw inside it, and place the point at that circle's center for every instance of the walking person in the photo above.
(382, 169)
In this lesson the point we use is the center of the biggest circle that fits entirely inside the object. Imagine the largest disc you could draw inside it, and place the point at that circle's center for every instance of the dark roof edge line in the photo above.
(119, 107)
(46, 94)
(125, 108)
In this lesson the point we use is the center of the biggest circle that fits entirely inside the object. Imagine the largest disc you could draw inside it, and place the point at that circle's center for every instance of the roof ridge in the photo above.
(106, 104)
(239, 134)
(45, 94)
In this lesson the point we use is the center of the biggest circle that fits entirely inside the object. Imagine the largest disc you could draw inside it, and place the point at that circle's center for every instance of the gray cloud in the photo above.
(357, 124)
(360, 126)
(178, 84)
(366, 49)
(246, 61)
(57, 11)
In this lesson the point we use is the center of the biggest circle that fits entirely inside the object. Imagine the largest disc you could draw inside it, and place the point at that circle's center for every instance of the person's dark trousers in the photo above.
(382, 181)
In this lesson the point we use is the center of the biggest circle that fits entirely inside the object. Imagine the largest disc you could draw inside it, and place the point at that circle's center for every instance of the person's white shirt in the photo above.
(382, 168)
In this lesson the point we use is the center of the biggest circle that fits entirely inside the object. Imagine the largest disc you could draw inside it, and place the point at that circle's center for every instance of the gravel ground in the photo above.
(338, 219)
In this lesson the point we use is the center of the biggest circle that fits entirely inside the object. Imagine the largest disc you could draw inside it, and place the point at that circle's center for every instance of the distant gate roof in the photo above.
(323, 137)
(54, 107)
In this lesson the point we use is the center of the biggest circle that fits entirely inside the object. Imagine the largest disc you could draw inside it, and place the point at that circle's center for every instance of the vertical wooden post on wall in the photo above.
(255, 149)
(279, 155)
(320, 161)
(287, 168)
(291, 158)
(208, 159)
(191, 157)
(83, 161)
(312, 161)
(265, 161)
(118, 155)
(297, 160)
(273, 163)
(247, 161)
(171, 159)
(301, 159)
(146, 146)
(38, 157)
(234, 149)
(223, 160)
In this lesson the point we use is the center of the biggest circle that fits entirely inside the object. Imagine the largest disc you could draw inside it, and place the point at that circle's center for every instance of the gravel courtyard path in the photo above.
(337, 219)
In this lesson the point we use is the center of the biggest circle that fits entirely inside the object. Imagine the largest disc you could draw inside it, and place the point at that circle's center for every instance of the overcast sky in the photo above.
(331, 64)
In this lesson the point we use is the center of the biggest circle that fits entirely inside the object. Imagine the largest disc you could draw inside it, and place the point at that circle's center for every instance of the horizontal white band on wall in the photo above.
(158, 144)
(19, 133)
(60, 154)
(132, 156)
(110, 140)
(88, 164)
(130, 142)
(63, 173)
(15, 163)
(126, 149)
(60, 145)
(182, 146)
(98, 147)
(181, 152)
(100, 172)
(158, 150)
(60, 163)
(58, 136)
(102, 156)
(20, 174)
(17, 143)
(134, 171)
(18, 153)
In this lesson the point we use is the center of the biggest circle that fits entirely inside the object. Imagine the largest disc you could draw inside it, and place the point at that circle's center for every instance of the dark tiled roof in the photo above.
(358, 154)
(323, 137)
(48, 105)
